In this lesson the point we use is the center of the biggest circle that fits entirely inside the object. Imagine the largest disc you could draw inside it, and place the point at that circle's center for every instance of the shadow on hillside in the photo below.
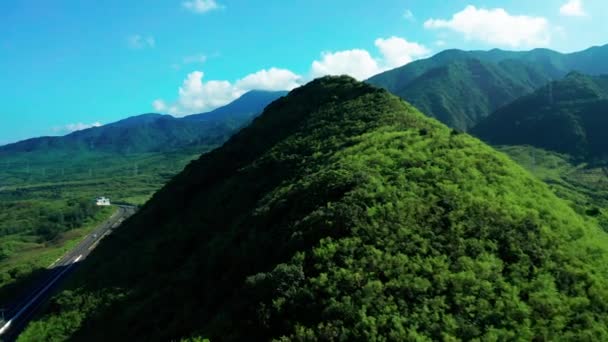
(23, 296)
(14, 293)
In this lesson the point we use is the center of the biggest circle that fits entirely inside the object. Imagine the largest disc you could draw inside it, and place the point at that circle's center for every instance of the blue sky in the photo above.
(69, 64)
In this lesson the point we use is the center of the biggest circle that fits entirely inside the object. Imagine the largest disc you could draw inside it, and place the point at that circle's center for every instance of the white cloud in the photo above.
(137, 41)
(440, 42)
(197, 95)
(361, 65)
(408, 15)
(271, 79)
(73, 127)
(398, 51)
(201, 6)
(160, 106)
(573, 8)
(356, 63)
(199, 58)
(191, 59)
(496, 26)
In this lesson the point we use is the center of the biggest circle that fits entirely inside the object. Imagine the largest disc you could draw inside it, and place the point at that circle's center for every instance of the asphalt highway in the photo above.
(19, 315)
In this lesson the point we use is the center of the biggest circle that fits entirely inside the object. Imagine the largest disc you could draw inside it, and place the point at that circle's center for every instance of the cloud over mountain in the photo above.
(496, 26)
(359, 63)
(197, 95)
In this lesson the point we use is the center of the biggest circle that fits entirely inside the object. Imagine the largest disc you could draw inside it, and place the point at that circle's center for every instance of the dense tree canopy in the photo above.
(567, 116)
(343, 214)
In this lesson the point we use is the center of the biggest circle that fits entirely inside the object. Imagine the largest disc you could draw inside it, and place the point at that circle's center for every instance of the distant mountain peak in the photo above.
(153, 132)
(461, 88)
(252, 102)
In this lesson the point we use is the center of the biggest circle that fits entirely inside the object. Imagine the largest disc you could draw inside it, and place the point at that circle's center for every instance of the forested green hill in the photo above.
(568, 116)
(343, 213)
(462, 87)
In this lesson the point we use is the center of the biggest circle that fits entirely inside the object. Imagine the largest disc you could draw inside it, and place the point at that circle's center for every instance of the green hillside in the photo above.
(462, 93)
(462, 87)
(568, 116)
(343, 213)
(151, 132)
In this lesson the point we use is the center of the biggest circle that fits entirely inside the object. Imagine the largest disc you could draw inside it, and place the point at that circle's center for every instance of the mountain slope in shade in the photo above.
(568, 116)
(153, 132)
(462, 87)
(463, 92)
(343, 213)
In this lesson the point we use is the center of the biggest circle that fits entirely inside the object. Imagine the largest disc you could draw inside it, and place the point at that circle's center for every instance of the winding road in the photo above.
(19, 315)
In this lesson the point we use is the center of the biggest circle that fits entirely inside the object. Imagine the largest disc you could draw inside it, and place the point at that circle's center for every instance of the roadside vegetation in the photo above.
(34, 234)
(46, 207)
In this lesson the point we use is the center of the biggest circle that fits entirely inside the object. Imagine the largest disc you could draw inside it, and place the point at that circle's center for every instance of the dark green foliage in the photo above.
(343, 214)
(568, 116)
(462, 87)
(461, 93)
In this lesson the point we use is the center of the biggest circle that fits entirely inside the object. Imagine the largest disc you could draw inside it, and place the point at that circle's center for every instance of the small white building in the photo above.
(103, 201)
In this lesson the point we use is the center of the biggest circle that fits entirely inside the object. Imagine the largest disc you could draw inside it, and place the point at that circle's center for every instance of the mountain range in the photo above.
(567, 116)
(343, 213)
(153, 132)
(460, 88)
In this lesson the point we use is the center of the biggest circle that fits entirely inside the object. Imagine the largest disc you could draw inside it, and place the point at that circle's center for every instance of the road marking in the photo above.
(54, 262)
(78, 259)
(40, 293)
(5, 327)
(94, 245)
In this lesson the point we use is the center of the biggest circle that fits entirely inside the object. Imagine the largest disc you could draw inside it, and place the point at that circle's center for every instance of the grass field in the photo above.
(24, 253)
